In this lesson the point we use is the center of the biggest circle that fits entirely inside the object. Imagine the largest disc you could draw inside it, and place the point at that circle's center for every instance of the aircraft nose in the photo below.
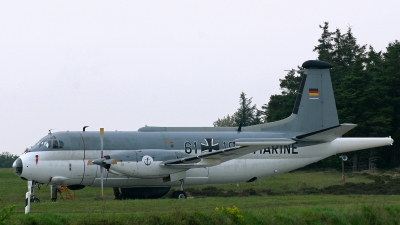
(17, 165)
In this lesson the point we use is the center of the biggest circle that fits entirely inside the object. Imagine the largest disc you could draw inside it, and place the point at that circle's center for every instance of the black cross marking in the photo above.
(210, 145)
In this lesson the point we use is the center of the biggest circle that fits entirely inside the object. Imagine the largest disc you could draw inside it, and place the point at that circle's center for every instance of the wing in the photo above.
(243, 146)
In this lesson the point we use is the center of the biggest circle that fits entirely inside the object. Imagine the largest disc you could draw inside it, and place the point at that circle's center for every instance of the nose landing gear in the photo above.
(30, 196)
(33, 196)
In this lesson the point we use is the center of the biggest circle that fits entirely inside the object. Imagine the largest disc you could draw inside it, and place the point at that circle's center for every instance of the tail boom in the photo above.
(355, 144)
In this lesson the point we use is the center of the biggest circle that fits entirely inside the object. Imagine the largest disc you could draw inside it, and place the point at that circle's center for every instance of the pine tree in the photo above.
(246, 115)
(391, 94)
(325, 47)
(227, 121)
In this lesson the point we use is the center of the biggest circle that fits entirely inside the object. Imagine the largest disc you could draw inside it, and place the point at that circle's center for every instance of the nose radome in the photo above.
(17, 165)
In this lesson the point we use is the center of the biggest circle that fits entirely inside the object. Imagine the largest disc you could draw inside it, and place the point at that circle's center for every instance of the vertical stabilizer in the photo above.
(315, 107)
(315, 104)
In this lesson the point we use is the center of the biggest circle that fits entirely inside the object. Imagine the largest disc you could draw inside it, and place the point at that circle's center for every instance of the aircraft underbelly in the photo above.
(197, 176)
(111, 182)
(239, 170)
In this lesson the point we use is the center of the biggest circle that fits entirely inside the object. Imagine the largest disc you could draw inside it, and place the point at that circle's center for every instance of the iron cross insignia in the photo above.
(209, 145)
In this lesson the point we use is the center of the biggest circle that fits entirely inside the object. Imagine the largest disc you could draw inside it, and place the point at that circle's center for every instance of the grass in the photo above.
(287, 202)
(281, 210)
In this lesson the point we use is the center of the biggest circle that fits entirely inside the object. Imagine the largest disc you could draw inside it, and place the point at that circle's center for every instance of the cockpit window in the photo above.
(44, 143)
(55, 144)
(50, 144)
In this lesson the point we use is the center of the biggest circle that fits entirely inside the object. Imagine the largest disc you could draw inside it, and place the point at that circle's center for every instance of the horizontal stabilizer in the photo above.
(328, 134)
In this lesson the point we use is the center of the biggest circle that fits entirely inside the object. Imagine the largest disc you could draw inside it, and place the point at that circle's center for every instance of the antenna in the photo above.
(51, 130)
(344, 158)
(239, 128)
(84, 128)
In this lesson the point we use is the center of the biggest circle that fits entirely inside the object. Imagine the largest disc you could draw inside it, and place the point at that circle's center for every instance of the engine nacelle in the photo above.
(145, 163)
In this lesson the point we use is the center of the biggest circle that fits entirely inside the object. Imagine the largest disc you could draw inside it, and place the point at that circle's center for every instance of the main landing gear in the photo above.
(180, 194)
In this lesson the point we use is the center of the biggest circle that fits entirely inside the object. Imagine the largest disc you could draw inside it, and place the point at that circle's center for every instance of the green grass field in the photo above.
(287, 201)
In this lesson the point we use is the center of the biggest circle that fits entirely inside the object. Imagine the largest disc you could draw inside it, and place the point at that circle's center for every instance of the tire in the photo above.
(179, 195)
(35, 200)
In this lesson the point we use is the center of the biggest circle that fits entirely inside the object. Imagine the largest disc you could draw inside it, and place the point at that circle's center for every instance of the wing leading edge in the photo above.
(244, 146)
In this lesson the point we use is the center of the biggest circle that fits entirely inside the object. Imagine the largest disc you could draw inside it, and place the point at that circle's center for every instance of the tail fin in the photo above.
(315, 104)
(315, 107)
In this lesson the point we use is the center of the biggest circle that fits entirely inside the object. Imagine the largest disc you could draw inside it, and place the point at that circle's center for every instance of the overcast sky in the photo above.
(122, 65)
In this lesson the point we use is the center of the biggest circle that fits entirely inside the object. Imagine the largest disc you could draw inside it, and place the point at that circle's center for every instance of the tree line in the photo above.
(366, 86)
(7, 159)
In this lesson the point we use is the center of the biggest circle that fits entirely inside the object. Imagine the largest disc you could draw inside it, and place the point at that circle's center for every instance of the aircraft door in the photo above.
(80, 173)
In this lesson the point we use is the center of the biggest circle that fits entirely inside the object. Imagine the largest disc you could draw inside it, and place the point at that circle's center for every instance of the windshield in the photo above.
(47, 143)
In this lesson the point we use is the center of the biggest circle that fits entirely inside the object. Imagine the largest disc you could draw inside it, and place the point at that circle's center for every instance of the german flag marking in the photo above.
(313, 92)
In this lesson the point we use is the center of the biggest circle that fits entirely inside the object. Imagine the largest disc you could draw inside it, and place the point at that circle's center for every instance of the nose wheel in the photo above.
(35, 200)
(181, 193)
(33, 197)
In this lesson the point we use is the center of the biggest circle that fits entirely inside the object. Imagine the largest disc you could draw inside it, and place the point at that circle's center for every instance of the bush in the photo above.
(5, 213)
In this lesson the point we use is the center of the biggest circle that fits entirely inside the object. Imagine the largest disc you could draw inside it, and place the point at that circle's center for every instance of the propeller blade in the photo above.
(101, 166)
(102, 188)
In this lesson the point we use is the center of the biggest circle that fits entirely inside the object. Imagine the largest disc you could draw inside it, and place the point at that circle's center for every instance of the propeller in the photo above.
(101, 167)
(103, 161)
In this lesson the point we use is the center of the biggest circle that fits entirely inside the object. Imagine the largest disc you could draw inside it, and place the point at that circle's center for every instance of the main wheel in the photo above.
(179, 195)
(35, 200)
